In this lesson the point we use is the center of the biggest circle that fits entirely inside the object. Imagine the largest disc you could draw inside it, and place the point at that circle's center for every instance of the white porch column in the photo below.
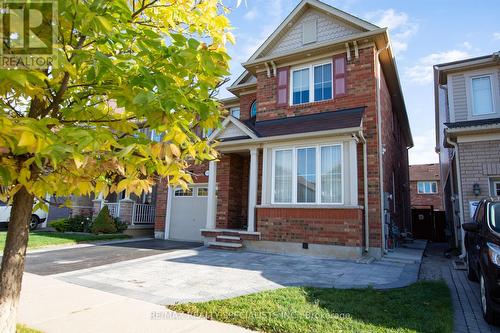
(212, 199)
(252, 188)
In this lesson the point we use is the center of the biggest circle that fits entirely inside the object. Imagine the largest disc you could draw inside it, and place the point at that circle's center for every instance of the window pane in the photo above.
(253, 110)
(202, 191)
(300, 86)
(434, 187)
(283, 176)
(235, 112)
(181, 193)
(420, 186)
(481, 96)
(306, 175)
(323, 82)
(331, 174)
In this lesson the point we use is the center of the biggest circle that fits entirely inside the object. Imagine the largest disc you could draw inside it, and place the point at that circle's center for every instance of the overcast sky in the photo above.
(423, 33)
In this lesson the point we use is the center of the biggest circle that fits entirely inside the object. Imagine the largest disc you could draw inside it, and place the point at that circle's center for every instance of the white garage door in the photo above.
(189, 213)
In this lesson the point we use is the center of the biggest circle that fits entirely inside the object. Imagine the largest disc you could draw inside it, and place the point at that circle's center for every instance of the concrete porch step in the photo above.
(225, 246)
(228, 239)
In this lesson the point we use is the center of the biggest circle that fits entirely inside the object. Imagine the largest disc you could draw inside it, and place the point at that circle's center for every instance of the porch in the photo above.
(138, 212)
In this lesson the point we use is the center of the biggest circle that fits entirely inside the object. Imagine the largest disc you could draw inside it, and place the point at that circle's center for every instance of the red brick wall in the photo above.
(309, 225)
(161, 205)
(426, 199)
(395, 161)
(245, 104)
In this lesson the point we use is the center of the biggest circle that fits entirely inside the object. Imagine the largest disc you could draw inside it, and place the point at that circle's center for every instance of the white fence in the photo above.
(114, 208)
(143, 214)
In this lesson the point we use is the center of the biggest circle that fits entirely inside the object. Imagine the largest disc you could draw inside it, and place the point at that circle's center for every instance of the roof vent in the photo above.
(310, 31)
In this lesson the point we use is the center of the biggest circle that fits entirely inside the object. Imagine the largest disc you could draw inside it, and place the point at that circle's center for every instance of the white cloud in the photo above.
(422, 72)
(401, 27)
(424, 152)
(496, 35)
(251, 14)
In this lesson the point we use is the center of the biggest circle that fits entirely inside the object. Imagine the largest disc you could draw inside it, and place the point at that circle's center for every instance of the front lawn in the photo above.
(422, 307)
(38, 239)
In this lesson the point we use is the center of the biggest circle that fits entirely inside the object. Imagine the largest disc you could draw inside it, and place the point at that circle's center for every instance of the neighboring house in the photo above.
(314, 153)
(427, 211)
(467, 99)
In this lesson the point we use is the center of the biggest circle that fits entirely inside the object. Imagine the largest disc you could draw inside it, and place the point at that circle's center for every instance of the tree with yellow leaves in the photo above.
(73, 128)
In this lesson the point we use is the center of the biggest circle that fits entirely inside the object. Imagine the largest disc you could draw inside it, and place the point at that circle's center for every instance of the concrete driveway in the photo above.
(202, 274)
(82, 257)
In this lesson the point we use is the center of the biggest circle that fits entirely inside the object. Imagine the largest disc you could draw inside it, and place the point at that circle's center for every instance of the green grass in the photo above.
(20, 328)
(421, 307)
(39, 239)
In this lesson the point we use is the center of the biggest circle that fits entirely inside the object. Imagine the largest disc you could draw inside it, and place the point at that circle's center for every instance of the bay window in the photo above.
(308, 175)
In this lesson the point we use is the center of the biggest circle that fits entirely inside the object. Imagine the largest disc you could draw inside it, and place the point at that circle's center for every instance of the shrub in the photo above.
(103, 223)
(61, 225)
(79, 224)
(120, 226)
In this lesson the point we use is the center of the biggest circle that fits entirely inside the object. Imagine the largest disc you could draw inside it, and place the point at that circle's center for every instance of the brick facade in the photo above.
(419, 200)
(310, 225)
(343, 226)
(479, 163)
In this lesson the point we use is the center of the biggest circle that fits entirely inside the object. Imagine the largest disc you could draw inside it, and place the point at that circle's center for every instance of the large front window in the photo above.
(308, 175)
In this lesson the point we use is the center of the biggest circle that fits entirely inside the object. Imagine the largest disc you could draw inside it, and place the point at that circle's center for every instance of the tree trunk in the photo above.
(11, 274)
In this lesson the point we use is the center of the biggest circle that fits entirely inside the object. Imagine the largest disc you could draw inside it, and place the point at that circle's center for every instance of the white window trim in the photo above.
(311, 67)
(318, 175)
(490, 76)
(495, 184)
(468, 91)
(427, 181)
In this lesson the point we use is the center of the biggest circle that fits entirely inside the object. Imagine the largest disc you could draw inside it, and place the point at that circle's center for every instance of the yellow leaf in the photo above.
(79, 160)
(27, 139)
(175, 150)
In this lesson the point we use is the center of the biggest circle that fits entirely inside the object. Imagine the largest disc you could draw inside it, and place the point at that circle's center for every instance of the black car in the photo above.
(482, 242)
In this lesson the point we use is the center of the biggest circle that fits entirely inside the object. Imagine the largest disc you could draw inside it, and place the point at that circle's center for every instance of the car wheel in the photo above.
(488, 313)
(34, 222)
(471, 274)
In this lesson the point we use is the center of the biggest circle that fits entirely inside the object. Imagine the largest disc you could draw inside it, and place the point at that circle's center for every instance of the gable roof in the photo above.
(300, 9)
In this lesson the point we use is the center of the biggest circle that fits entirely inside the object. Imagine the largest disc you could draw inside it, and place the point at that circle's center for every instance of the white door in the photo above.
(189, 213)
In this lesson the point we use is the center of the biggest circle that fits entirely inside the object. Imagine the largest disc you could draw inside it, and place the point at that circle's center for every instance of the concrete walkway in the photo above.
(200, 275)
(54, 306)
(467, 314)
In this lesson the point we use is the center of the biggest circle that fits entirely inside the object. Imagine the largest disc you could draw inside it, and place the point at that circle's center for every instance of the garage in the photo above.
(188, 213)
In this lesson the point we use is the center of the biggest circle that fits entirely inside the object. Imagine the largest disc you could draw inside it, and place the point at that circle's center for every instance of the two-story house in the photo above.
(314, 151)
(467, 105)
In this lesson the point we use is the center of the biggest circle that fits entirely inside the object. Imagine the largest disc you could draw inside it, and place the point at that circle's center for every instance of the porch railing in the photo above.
(114, 208)
(143, 214)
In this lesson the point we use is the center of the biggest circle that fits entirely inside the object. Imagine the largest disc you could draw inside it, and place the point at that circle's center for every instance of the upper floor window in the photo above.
(313, 83)
(427, 187)
(235, 112)
(482, 97)
(322, 82)
(253, 110)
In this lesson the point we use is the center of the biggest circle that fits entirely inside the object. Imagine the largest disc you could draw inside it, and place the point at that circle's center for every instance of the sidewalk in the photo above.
(53, 306)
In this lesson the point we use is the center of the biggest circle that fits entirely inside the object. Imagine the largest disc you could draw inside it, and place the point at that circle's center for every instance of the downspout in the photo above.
(380, 148)
(365, 191)
(460, 197)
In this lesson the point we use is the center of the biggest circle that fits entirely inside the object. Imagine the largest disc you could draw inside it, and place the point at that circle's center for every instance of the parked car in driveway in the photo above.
(37, 217)
(482, 242)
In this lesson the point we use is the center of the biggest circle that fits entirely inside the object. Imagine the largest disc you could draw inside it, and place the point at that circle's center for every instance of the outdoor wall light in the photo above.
(476, 189)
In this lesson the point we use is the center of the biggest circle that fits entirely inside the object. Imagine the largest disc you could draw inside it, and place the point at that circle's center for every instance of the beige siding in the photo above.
(459, 98)
(327, 29)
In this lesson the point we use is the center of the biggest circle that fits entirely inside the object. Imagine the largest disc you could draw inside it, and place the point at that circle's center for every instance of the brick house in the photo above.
(314, 151)
(426, 197)
(425, 186)
(467, 106)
